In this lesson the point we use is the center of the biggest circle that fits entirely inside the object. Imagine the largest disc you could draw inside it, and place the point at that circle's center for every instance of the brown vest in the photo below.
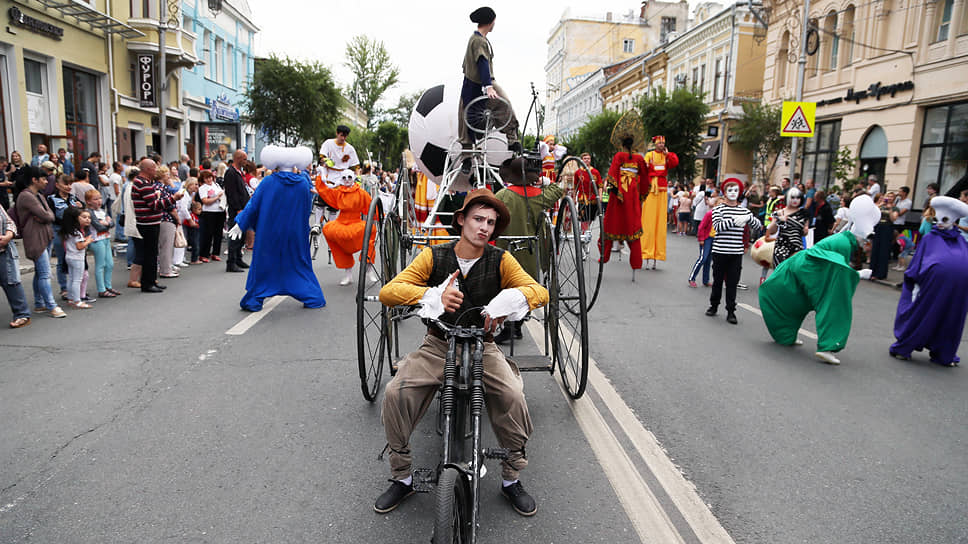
(482, 283)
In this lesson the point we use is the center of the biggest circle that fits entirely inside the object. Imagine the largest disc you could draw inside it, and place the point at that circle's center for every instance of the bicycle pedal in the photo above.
(496, 453)
(424, 480)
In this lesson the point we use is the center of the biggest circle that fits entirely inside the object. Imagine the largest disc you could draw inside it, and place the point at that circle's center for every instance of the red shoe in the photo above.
(216, 258)
(203, 259)
(692, 283)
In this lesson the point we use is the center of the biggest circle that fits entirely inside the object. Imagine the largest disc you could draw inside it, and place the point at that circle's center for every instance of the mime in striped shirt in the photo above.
(729, 222)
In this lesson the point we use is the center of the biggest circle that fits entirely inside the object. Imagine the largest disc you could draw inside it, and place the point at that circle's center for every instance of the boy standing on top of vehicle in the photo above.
(448, 280)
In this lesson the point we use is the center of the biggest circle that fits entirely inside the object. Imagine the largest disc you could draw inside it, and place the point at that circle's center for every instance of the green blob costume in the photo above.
(817, 279)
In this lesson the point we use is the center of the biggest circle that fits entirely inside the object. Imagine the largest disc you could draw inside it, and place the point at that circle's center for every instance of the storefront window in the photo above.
(218, 141)
(820, 152)
(944, 149)
(80, 110)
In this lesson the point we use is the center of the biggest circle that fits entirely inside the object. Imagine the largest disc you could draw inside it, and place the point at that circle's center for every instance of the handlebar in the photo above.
(448, 329)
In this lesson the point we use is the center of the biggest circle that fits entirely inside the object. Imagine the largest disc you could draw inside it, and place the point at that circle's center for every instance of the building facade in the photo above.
(626, 83)
(721, 57)
(56, 78)
(139, 84)
(214, 90)
(578, 46)
(581, 102)
(888, 78)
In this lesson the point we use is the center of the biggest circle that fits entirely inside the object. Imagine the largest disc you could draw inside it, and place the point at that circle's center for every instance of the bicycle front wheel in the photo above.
(452, 522)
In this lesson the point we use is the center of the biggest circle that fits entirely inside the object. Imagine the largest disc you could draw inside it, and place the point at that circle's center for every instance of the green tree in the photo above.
(390, 141)
(758, 131)
(291, 101)
(400, 114)
(362, 141)
(373, 74)
(594, 138)
(844, 165)
(680, 117)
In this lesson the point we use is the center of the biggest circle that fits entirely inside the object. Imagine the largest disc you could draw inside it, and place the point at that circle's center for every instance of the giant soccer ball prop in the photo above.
(762, 252)
(434, 133)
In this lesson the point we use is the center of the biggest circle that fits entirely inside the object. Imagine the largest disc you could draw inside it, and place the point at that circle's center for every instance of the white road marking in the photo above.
(242, 326)
(757, 311)
(647, 515)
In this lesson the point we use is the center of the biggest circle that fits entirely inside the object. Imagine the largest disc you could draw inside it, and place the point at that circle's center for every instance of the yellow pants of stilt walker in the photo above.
(654, 215)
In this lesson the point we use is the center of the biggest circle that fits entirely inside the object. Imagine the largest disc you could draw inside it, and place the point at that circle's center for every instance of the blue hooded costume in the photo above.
(281, 265)
(934, 298)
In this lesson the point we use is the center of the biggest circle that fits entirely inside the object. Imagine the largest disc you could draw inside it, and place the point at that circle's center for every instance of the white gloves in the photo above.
(865, 274)
(235, 233)
(742, 220)
(510, 303)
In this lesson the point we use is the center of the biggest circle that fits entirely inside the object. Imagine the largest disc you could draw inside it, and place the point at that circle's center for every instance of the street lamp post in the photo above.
(801, 71)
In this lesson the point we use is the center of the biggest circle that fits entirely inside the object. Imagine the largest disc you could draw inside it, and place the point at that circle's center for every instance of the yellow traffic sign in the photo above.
(798, 119)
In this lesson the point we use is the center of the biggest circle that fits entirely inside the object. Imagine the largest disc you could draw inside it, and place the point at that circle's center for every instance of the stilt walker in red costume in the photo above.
(626, 185)
(658, 161)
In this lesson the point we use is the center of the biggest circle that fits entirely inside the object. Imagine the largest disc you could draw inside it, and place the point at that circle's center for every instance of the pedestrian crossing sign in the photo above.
(798, 119)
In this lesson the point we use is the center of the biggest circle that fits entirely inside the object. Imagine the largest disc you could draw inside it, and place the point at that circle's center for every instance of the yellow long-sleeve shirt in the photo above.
(409, 286)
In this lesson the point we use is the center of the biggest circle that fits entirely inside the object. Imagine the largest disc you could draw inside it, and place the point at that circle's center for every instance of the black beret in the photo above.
(483, 16)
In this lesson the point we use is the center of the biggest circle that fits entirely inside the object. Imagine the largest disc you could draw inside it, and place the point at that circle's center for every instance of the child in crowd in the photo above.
(190, 224)
(77, 234)
(101, 247)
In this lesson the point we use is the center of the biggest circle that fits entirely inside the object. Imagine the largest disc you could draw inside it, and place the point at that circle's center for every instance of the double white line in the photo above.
(623, 469)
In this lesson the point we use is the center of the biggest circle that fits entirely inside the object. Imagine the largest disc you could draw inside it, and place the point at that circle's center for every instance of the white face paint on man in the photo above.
(732, 192)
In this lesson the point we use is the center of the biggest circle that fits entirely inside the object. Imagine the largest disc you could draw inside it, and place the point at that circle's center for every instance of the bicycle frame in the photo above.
(463, 388)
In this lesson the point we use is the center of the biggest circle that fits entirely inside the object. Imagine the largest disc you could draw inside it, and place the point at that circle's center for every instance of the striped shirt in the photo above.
(729, 236)
(149, 203)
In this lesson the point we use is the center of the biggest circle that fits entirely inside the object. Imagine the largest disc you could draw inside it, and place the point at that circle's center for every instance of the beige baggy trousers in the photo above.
(410, 392)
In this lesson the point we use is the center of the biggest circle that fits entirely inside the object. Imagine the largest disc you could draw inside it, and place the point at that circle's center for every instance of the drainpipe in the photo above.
(109, 41)
(162, 96)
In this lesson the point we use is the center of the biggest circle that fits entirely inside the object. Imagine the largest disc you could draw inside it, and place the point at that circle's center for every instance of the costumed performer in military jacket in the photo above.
(526, 196)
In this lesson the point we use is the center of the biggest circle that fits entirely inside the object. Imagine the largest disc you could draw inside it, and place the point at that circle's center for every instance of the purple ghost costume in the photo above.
(933, 317)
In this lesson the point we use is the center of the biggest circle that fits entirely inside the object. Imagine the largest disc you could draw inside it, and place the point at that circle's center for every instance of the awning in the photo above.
(84, 13)
(709, 150)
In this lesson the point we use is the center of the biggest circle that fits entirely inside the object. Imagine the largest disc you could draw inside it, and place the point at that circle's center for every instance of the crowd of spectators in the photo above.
(74, 222)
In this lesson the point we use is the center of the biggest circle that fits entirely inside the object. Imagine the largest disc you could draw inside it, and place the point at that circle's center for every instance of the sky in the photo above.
(425, 39)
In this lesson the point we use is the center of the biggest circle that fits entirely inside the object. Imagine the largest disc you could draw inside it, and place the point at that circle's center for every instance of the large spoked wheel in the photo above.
(591, 217)
(571, 313)
(452, 523)
(373, 327)
(406, 216)
(483, 114)
(549, 278)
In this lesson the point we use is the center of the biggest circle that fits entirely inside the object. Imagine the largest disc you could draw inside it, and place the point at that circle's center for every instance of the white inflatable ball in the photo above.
(433, 129)
(762, 252)
(434, 133)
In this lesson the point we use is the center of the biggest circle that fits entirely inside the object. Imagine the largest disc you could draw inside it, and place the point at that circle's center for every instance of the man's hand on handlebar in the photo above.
(452, 298)
(491, 324)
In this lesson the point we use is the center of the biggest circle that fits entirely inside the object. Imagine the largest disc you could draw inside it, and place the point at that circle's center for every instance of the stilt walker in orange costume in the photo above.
(655, 209)
(626, 184)
(344, 235)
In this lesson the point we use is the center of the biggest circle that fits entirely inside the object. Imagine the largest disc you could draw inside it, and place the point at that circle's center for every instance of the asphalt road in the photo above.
(142, 421)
